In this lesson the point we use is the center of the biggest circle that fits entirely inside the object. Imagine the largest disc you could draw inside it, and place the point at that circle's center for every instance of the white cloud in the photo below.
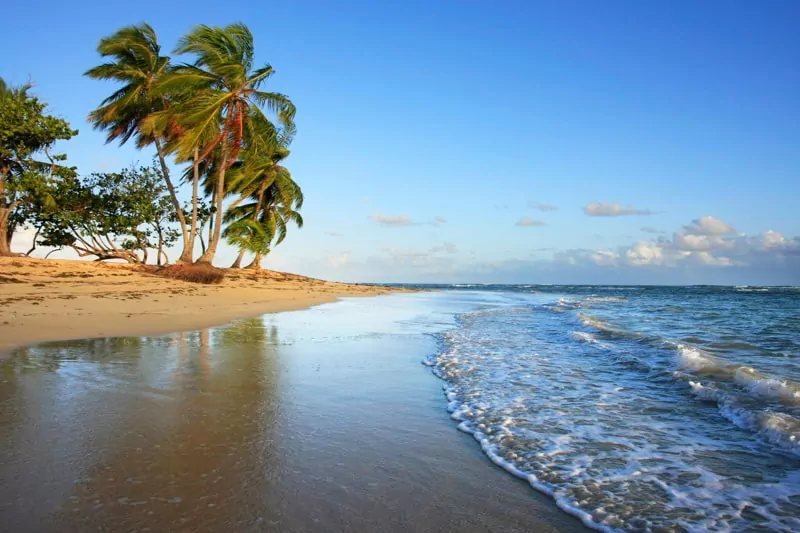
(606, 209)
(694, 242)
(706, 259)
(399, 220)
(542, 207)
(650, 229)
(605, 258)
(646, 253)
(447, 247)
(706, 242)
(334, 234)
(338, 260)
(708, 225)
(529, 222)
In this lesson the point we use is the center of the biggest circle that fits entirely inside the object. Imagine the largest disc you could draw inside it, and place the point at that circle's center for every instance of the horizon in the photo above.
(638, 145)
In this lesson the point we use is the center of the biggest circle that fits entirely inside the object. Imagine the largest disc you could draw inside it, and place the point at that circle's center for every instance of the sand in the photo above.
(44, 300)
(320, 420)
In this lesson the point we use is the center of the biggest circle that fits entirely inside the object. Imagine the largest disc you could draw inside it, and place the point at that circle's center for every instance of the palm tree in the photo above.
(260, 169)
(225, 96)
(262, 224)
(136, 62)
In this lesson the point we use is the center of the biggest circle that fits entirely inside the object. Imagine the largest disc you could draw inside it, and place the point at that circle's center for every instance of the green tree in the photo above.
(25, 132)
(262, 224)
(226, 102)
(111, 215)
(135, 60)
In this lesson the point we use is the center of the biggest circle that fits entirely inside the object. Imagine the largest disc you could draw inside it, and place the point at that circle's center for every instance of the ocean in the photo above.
(652, 409)
(636, 408)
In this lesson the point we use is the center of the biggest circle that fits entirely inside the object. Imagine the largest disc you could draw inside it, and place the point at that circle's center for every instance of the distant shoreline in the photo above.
(52, 300)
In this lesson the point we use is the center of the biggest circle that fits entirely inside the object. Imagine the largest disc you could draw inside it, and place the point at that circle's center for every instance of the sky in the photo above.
(495, 142)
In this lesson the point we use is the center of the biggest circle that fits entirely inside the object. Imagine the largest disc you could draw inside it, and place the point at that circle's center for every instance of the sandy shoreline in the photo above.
(47, 300)
(314, 421)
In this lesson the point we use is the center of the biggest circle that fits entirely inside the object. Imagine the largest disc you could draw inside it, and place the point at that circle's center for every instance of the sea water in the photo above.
(637, 408)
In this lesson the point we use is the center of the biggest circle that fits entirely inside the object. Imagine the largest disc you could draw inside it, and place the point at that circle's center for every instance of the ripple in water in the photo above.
(590, 400)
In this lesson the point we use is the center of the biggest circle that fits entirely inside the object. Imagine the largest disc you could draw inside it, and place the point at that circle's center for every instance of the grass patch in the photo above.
(204, 274)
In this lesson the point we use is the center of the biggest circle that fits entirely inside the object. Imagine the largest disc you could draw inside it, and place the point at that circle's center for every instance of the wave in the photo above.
(760, 385)
(781, 429)
(751, 380)
(619, 438)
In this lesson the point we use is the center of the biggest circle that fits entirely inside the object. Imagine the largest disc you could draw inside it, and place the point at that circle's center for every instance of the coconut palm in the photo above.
(275, 203)
(135, 60)
(226, 94)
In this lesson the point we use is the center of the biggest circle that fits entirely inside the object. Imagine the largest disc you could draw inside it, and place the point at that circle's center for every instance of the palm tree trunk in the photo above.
(256, 264)
(208, 256)
(195, 182)
(175, 203)
(160, 246)
(238, 262)
(210, 228)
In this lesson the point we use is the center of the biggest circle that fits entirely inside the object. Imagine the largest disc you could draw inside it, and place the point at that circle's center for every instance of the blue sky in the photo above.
(480, 113)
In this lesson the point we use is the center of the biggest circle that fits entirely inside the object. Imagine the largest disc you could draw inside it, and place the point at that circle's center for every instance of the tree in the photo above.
(26, 131)
(136, 62)
(225, 94)
(260, 225)
(112, 215)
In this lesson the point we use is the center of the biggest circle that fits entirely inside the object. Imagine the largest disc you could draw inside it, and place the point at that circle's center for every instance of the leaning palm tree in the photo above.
(137, 63)
(226, 94)
(275, 203)
(249, 236)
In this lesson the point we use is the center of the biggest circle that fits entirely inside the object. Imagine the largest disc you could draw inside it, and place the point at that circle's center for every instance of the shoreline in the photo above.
(223, 428)
(45, 300)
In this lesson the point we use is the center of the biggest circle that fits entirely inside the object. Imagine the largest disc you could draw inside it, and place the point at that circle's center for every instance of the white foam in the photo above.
(776, 428)
(761, 385)
(606, 441)
(693, 358)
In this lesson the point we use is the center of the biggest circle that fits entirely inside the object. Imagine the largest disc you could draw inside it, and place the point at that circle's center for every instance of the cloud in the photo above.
(334, 234)
(400, 220)
(680, 258)
(364, 199)
(649, 229)
(542, 207)
(709, 225)
(700, 243)
(529, 222)
(404, 220)
(338, 260)
(447, 247)
(606, 209)
(706, 242)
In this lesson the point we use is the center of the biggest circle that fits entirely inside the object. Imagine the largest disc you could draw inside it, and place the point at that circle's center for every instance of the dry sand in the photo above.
(45, 300)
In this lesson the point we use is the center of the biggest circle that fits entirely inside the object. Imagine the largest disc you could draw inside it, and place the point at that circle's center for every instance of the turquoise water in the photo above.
(637, 408)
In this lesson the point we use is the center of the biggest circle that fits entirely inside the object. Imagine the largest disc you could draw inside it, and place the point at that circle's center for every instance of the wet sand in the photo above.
(315, 420)
(44, 300)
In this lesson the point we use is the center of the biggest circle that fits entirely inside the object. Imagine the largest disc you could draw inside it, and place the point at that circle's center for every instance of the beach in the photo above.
(314, 420)
(45, 300)
(627, 408)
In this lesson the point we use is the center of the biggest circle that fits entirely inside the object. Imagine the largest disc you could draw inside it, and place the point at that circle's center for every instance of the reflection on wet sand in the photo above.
(308, 421)
(167, 433)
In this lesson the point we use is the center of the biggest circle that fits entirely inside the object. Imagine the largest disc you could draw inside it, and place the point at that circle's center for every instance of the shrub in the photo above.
(205, 274)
